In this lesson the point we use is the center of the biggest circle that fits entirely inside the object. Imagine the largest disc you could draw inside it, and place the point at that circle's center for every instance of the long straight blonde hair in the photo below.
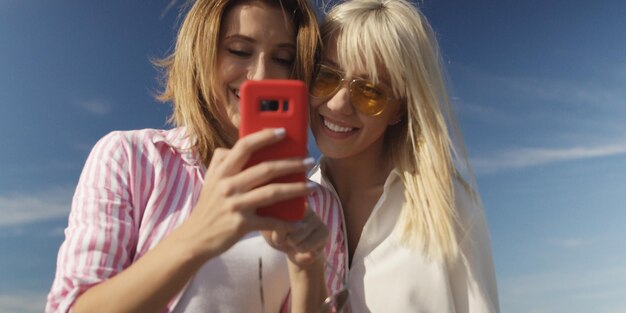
(394, 34)
(190, 71)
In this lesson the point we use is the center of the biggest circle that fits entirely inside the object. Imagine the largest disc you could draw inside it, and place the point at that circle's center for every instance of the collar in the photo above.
(178, 140)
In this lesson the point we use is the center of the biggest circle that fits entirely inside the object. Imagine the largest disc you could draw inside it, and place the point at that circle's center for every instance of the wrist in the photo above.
(308, 285)
(185, 243)
(313, 268)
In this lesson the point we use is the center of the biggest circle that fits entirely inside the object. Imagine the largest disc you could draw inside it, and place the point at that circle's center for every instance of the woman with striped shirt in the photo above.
(164, 220)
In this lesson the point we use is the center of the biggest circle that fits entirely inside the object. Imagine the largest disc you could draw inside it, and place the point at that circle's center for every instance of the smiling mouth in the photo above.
(336, 128)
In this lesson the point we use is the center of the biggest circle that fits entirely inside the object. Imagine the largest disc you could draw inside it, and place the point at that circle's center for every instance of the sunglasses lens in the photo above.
(368, 98)
(325, 83)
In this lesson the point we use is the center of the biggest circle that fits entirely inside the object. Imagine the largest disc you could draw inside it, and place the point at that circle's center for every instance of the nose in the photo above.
(259, 69)
(340, 101)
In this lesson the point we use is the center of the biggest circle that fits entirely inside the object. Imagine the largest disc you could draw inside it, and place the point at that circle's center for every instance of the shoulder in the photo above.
(322, 196)
(473, 233)
(467, 201)
(324, 203)
(144, 137)
(134, 142)
(128, 137)
(476, 262)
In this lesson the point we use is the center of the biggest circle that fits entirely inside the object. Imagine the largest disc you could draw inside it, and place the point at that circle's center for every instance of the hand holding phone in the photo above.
(277, 104)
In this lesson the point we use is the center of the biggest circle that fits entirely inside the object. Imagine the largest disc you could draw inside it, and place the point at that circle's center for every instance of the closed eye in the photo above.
(285, 62)
(239, 53)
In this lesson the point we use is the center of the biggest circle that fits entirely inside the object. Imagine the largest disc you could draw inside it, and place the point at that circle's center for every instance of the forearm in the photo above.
(148, 284)
(308, 287)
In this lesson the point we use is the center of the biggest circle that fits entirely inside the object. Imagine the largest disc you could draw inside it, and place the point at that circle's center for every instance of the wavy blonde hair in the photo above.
(395, 34)
(190, 71)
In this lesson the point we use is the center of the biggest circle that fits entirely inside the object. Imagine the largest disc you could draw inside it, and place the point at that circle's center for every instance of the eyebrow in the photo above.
(252, 40)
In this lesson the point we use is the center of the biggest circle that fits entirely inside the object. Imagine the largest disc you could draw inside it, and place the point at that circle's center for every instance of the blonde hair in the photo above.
(190, 71)
(394, 33)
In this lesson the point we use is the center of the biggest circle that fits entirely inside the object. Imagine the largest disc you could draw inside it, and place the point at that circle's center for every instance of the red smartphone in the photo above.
(274, 104)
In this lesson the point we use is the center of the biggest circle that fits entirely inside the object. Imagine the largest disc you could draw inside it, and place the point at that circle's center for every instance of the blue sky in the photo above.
(538, 87)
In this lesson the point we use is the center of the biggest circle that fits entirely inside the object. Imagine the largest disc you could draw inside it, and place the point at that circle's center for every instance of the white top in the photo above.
(388, 277)
(230, 283)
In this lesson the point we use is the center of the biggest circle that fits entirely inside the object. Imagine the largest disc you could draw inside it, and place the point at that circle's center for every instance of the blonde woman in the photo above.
(417, 239)
(164, 220)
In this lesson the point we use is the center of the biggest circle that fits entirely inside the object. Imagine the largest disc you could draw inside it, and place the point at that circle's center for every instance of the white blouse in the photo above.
(230, 283)
(388, 277)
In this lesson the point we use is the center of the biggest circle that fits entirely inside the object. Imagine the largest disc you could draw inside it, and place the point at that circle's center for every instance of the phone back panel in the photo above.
(274, 104)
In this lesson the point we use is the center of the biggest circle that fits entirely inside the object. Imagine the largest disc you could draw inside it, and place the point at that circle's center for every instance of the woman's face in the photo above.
(256, 42)
(340, 130)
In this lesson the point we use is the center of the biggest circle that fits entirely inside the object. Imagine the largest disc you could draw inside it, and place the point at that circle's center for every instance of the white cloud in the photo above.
(564, 106)
(96, 106)
(568, 93)
(527, 157)
(19, 209)
(565, 289)
(541, 90)
(23, 302)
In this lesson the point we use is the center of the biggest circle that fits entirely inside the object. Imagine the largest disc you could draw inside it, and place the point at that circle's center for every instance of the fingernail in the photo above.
(308, 162)
(279, 132)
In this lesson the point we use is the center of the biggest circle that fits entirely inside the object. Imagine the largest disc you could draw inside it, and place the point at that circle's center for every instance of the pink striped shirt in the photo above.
(135, 188)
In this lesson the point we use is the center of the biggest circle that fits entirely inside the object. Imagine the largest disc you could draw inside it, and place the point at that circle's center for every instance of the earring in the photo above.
(396, 121)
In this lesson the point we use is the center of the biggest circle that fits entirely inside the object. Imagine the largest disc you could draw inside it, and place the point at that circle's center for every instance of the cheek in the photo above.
(229, 69)
(314, 103)
(397, 112)
(282, 72)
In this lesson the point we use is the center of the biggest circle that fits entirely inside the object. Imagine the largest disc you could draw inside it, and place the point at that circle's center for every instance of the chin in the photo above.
(331, 151)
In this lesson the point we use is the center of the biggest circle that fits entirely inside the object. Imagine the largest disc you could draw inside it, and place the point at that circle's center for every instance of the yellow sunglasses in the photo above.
(367, 97)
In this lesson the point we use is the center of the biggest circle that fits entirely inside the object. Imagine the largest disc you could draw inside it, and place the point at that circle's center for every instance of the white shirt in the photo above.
(388, 277)
(230, 283)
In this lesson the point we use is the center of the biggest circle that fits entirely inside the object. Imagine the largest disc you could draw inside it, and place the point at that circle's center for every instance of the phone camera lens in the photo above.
(269, 105)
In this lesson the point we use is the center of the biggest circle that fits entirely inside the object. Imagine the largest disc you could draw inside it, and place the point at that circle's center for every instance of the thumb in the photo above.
(279, 238)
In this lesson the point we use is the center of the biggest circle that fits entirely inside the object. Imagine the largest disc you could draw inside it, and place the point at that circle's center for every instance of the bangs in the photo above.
(361, 46)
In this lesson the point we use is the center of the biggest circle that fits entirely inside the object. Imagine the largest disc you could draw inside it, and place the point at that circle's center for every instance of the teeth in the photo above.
(337, 128)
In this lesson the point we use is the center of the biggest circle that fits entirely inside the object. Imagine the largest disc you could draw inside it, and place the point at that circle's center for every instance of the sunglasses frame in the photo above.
(351, 89)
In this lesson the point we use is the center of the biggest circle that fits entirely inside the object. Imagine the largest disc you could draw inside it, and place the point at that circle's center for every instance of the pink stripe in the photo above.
(328, 207)
(87, 207)
(161, 204)
(182, 197)
(108, 216)
(144, 177)
(117, 245)
(149, 220)
(103, 214)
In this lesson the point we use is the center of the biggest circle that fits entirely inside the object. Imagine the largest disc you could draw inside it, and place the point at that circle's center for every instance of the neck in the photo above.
(357, 174)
